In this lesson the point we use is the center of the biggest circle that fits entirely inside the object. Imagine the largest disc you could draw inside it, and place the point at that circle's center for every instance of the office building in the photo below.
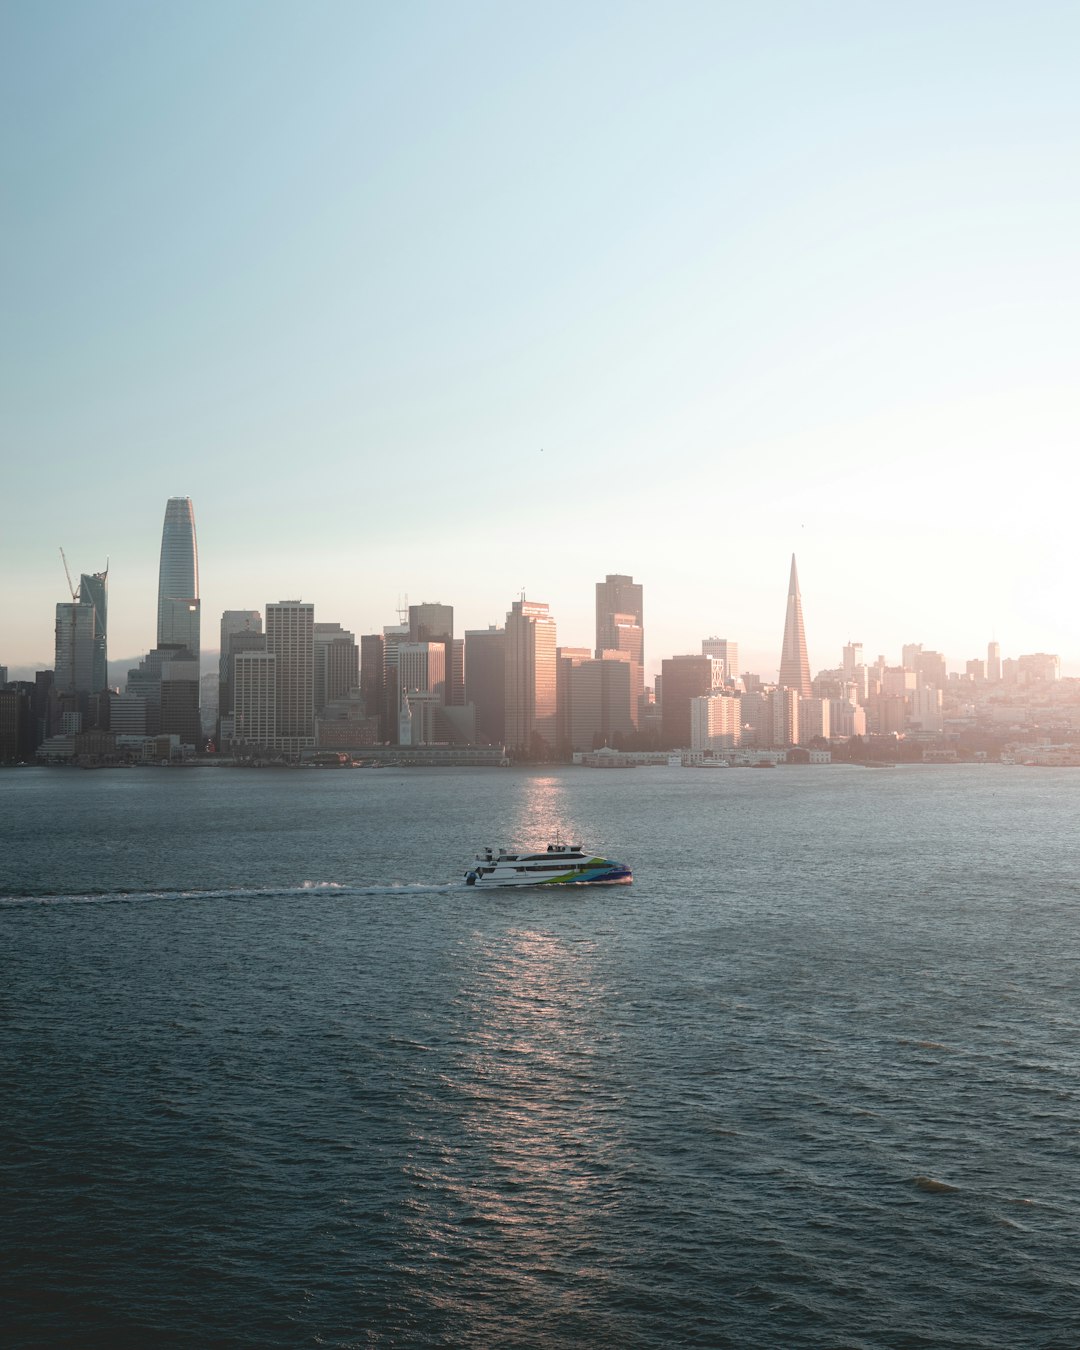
(993, 662)
(720, 649)
(290, 638)
(241, 630)
(794, 662)
(715, 721)
(421, 669)
(337, 664)
(255, 686)
(178, 579)
(620, 627)
(530, 678)
(684, 678)
(81, 655)
(485, 681)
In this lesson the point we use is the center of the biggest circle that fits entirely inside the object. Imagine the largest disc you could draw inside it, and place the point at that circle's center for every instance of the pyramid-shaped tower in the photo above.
(794, 662)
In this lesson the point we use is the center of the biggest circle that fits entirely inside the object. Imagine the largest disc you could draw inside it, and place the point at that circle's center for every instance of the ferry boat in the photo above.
(557, 865)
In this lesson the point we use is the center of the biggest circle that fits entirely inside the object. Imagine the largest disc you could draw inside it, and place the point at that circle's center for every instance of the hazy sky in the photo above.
(451, 300)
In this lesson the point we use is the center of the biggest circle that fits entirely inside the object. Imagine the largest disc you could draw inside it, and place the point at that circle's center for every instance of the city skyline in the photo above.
(182, 553)
(717, 287)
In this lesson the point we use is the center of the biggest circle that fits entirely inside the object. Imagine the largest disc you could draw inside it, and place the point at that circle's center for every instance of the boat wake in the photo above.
(307, 890)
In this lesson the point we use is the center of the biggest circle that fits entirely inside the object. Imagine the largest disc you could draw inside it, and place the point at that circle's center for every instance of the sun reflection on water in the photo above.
(529, 1154)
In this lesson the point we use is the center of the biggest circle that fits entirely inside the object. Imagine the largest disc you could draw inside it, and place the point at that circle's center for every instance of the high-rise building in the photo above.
(715, 721)
(684, 678)
(794, 662)
(94, 592)
(74, 658)
(530, 678)
(178, 579)
(81, 655)
(422, 669)
(372, 662)
(723, 650)
(290, 637)
(255, 697)
(337, 664)
(620, 627)
(393, 635)
(993, 662)
(434, 622)
(485, 681)
(241, 630)
(853, 659)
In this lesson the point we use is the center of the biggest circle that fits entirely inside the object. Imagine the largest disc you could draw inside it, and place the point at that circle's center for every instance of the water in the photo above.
(273, 1077)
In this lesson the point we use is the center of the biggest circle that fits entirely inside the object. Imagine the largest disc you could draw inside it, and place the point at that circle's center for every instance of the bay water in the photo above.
(273, 1076)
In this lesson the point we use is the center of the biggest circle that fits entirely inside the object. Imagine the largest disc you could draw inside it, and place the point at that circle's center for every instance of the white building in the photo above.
(715, 721)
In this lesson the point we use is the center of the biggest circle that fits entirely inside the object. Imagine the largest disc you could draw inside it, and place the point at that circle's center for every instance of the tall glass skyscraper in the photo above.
(178, 579)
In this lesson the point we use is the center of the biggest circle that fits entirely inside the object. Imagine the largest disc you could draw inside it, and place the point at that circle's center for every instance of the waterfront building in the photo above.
(721, 649)
(620, 627)
(485, 681)
(684, 678)
(530, 678)
(178, 579)
(290, 637)
(794, 662)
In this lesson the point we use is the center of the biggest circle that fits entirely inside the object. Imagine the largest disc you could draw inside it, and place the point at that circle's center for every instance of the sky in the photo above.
(453, 301)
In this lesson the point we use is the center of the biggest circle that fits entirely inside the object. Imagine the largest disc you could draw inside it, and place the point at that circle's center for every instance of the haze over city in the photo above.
(458, 302)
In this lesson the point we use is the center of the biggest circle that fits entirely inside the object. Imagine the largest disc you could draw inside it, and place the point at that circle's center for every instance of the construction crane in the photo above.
(67, 573)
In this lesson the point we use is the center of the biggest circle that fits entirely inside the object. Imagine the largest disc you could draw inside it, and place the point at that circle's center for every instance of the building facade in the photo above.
(530, 678)
(179, 621)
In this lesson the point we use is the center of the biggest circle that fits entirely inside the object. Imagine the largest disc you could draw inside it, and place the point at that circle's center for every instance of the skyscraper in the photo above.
(94, 591)
(485, 680)
(723, 650)
(81, 657)
(337, 663)
(794, 662)
(178, 579)
(530, 677)
(620, 627)
(684, 678)
(290, 637)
